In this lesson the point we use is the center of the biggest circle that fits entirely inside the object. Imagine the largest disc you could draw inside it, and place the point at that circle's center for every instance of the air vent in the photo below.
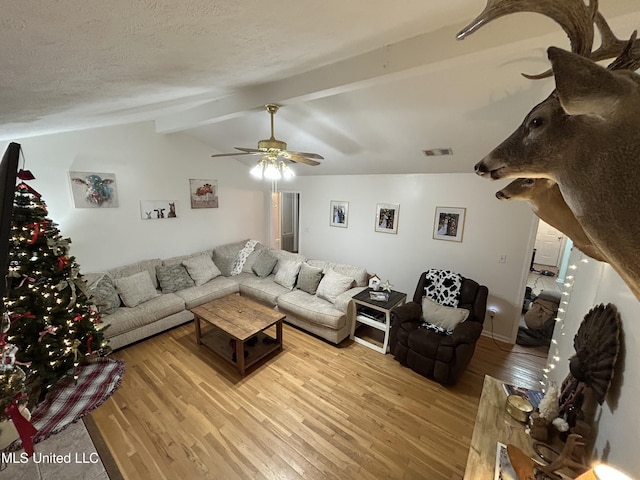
(435, 152)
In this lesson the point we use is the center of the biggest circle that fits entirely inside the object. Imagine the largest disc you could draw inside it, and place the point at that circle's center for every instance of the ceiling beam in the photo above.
(405, 58)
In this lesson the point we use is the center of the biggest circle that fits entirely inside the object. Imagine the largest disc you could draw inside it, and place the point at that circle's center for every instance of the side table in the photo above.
(375, 314)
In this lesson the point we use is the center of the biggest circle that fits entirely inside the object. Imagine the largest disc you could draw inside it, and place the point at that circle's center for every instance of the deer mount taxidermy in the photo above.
(275, 151)
(584, 136)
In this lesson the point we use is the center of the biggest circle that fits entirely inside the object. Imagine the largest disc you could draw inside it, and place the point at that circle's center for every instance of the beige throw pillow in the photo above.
(445, 317)
(287, 273)
(135, 289)
(201, 269)
(332, 285)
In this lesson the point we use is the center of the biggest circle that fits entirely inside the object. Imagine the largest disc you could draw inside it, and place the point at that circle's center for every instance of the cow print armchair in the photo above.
(435, 334)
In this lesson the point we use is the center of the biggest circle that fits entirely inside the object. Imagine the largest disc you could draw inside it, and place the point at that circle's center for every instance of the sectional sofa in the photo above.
(150, 296)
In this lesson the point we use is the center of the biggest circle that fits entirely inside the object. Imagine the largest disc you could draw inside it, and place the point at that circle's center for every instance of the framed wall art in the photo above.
(93, 190)
(203, 193)
(339, 213)
(449, 223)
(387, 217)
(157, 209)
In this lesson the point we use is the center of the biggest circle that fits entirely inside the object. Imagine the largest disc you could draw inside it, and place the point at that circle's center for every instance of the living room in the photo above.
(151, 166)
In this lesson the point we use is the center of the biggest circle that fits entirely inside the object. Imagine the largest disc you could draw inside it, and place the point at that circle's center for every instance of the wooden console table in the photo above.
(493, 425)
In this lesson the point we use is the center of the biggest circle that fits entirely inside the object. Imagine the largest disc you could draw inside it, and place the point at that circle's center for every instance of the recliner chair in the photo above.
(435, 355)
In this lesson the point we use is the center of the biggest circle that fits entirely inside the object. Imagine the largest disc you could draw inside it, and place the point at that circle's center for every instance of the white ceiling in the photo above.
(368, 84)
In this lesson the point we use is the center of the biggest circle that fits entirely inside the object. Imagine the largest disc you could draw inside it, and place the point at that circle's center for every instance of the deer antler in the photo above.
(575, 18)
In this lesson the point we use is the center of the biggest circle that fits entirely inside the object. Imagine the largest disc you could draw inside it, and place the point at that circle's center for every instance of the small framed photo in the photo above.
(449, 223)
(387, 217)
(339, 214)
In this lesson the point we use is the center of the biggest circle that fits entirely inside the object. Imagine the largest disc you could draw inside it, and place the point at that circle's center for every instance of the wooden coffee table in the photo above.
(236, 320)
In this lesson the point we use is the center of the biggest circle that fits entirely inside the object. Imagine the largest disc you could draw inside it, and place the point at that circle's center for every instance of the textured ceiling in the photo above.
(366, 83)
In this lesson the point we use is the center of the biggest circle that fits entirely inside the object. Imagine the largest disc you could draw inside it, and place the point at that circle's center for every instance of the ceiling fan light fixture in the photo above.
(287, 172)
(258, 170)
(272, 172)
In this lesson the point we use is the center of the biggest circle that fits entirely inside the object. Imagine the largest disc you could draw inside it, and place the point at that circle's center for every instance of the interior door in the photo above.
(289, 221)
(548, 245)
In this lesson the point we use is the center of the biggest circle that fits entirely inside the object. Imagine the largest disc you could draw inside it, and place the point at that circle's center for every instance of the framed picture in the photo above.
(387, 217)
(449, 223)
(93, 190)
(203, 193)
(157, 209)
(339, 213)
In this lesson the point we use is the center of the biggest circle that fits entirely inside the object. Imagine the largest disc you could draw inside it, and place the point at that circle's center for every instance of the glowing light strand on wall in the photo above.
(566, 289)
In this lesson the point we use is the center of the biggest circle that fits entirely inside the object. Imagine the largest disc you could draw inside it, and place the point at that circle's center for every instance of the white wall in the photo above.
(147, 166)
(617, 421)
(491, 228)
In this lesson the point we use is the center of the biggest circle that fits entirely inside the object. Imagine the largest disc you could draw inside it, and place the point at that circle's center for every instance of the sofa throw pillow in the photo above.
(287, 273)
(309, 278)
(442, 316)
(201, 269)
(135, 289)
(173, 278)
(104, 295)
(443, 286)
(332, 285)
(263, 266)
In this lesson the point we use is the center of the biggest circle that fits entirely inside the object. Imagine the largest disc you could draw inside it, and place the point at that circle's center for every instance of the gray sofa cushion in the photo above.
(264, 263)
(126, 319)
(309, 278)
(135, 289)
(216, 288)
(182, 258)
(201, 269)
(264, 290)
(312, 308)
(173, 278)
(104, 295)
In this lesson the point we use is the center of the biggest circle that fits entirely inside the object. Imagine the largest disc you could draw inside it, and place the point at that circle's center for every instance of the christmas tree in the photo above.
(54, 326)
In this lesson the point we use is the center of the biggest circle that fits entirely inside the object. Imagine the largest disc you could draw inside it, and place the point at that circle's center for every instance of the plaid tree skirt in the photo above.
(70, 400)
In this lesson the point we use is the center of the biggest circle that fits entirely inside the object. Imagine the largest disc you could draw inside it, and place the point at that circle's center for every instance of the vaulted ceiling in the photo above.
(368, 84)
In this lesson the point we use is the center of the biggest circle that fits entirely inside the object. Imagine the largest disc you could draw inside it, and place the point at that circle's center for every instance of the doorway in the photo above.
(285, 221)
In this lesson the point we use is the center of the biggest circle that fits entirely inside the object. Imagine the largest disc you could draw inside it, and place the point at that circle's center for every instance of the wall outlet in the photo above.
(502, 258)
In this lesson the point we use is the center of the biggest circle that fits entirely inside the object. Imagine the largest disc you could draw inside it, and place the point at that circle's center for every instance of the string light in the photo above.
(567, 289)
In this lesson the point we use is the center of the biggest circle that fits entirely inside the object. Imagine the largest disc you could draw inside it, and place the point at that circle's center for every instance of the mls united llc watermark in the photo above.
(38, 457)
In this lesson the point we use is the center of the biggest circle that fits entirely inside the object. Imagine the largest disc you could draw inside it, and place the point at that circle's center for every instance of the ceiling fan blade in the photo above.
(294, 157)
(308, 155)
(254, 151)
(232, 154)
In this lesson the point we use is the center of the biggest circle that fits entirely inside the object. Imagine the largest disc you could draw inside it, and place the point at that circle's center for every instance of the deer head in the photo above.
(546, 201)
(585, 135)
(587, 112)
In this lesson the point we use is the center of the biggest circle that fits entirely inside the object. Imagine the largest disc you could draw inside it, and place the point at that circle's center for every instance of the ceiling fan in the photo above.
(274, 148)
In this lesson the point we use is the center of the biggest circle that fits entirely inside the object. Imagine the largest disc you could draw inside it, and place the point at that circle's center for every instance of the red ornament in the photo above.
(37, 232)
(77, 318)
(62, 262)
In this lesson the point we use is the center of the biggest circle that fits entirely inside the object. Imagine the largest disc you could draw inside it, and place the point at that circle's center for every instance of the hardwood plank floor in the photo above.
(314, 411)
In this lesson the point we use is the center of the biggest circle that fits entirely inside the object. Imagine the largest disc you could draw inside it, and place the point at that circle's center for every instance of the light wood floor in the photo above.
(314, 411)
